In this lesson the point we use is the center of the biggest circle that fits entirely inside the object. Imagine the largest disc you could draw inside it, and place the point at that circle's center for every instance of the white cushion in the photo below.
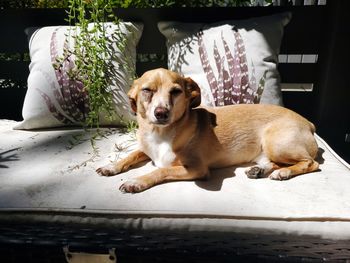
(40, 171)
(53, 99)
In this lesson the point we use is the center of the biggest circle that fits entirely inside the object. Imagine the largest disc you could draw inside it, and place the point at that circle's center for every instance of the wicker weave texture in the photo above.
(176, 246)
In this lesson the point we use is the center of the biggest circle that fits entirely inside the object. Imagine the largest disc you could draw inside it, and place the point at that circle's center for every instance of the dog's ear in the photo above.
(195, 92)
(132, 94)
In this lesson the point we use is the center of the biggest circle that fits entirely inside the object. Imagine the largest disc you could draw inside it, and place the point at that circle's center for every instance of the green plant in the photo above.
(135, 3)
(178, 3)
(89, 64)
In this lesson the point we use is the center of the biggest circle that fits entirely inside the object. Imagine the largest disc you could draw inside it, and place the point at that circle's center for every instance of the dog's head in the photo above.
(161, 96)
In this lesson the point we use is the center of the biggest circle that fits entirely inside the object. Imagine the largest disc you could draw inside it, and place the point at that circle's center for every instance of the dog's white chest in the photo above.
(159, 149)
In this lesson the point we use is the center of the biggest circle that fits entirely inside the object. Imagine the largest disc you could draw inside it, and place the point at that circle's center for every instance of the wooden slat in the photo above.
(297, 87)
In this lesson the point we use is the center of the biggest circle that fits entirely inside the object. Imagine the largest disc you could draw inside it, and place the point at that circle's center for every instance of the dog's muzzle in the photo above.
(161, 114)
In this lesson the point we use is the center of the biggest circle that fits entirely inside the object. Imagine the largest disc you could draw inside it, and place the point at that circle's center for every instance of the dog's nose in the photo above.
(161, 113)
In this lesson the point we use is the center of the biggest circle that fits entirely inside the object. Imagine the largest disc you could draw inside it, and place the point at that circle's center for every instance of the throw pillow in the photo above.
(232, 61)
(54, 99)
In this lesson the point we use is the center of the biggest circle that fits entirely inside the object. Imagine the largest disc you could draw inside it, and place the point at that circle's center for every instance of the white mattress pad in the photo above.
(49, 175)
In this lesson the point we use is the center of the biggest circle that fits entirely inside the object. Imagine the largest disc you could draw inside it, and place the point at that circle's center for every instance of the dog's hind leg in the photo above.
(294, 149)
(262, 169)
(281, 172)
(301, 167)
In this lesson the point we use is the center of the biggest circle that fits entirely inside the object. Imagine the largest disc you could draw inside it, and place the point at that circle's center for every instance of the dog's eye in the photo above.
(146, 90)
(176, 91)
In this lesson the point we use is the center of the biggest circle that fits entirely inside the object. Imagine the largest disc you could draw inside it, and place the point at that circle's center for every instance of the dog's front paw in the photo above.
(133, 186)
(281, 174)
(108, 170)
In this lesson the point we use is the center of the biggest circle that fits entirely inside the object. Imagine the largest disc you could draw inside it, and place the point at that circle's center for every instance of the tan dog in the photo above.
(184, 142)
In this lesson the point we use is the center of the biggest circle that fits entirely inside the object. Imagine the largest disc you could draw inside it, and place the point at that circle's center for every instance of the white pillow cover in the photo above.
(232, 61)
(53, 99)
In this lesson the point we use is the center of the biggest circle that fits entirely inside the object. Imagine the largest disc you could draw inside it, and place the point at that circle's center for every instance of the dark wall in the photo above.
(333, 118)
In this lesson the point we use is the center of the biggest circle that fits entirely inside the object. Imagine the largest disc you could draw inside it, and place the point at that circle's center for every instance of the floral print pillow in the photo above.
(54, 98)
(232, 61)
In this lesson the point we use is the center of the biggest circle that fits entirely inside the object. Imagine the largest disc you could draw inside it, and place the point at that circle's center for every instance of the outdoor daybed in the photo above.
(51, 196)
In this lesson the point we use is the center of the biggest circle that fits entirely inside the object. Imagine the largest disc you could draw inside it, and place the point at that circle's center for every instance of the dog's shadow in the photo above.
(216, 178)
(319, 158)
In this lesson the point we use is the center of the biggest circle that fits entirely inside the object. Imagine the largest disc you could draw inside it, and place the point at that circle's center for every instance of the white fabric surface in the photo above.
(40, 171)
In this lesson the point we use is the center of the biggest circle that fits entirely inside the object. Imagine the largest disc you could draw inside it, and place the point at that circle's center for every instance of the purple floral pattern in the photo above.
(72, 98)
(232, 84)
